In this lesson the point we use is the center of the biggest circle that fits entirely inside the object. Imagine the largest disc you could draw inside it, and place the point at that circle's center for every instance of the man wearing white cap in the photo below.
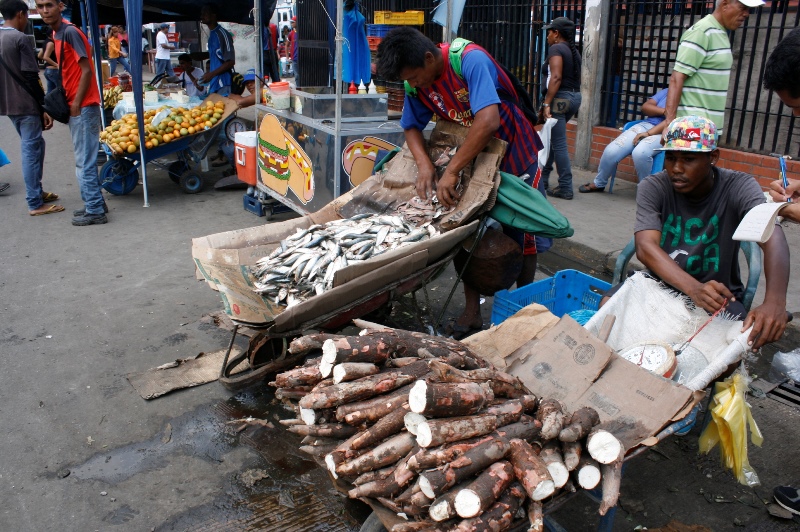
(699, 81)
(163, 48)
(685, 219)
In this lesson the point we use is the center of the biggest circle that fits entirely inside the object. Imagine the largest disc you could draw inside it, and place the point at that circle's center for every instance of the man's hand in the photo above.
(446, 189)
(710, 296)
(207, 77)
(778, 193)
(75, 108)
(426, 181)
(769, 322)
(47, 121)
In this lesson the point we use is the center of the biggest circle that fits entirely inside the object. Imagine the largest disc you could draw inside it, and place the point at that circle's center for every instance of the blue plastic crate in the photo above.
(379, 30)
(565, 292)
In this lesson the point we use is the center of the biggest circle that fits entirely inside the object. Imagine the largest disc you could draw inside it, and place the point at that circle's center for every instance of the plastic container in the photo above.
(378, 30)
(405, 18)
(245, 155)
(565, 292)
(280, 94)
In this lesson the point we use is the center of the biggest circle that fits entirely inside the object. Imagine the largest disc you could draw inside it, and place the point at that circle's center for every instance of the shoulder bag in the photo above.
(55, 101)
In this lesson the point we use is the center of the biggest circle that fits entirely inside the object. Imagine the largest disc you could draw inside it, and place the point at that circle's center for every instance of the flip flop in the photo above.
(50, 210)
(590, 187)
(4, 187)
(47, 197)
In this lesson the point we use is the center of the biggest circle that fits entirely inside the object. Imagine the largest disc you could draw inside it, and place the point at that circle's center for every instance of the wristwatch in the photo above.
(545, 105)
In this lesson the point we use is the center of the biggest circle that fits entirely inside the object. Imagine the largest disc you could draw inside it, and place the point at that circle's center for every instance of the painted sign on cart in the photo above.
(360, 156)
(282, 163)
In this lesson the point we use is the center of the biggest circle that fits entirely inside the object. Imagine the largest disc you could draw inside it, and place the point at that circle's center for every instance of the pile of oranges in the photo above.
(122, 135)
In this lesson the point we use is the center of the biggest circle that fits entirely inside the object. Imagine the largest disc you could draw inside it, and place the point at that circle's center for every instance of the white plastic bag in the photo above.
(544, 134)
(785, 366)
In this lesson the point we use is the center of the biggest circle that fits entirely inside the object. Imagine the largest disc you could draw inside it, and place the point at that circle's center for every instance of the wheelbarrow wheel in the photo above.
(191, 183)
(373, 524)
(119, 177)
(176, 170)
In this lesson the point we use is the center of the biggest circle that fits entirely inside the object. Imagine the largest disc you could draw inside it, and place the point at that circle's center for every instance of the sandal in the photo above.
(47, 197)
(590, 187)
(459, 332)
(50, 210)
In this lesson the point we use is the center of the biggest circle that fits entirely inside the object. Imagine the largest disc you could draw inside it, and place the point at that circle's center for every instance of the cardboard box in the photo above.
(564, 361)
(106, 69)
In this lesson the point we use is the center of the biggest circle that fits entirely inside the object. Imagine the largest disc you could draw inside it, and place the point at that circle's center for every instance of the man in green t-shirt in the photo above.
(699, 81)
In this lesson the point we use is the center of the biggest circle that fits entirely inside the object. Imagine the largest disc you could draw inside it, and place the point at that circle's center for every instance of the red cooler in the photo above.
(245, 155)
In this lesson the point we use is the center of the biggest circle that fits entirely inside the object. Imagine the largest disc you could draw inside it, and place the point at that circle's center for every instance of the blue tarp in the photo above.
(356, 61)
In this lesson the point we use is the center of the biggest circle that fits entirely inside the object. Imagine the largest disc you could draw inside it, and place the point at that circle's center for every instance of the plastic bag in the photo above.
(545, 134)
(731, 416)
(785, 366)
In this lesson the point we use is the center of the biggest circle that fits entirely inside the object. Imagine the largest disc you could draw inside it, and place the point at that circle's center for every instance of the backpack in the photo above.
(523, 100)
(237, 83)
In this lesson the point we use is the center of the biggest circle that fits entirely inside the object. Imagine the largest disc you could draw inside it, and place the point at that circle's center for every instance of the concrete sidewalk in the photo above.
(603, 226)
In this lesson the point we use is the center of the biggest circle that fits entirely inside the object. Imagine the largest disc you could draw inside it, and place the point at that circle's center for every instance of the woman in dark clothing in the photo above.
(561, 101)
(48, 56)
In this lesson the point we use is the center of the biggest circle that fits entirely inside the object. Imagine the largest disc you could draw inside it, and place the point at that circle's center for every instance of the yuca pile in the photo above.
(437, 435)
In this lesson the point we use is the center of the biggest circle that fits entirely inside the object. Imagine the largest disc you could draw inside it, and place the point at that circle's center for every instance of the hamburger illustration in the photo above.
(273, 155)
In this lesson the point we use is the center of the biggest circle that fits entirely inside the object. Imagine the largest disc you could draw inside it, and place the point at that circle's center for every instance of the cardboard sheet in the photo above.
(183, 373)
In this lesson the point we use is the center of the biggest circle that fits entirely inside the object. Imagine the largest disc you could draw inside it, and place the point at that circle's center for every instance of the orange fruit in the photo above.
(184, 132)
(148, 144)
(132, 148)
(191, 130)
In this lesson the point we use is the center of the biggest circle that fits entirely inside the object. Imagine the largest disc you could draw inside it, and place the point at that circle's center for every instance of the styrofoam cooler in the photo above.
(245, 143)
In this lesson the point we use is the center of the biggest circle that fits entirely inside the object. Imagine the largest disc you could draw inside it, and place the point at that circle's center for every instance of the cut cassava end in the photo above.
(530, 470)
(603, 446)
(412, 421)
(484, 490)
(309, 415)
(448, 399)
(438, 431)
(350, 371)
(551, 456)
(435, 482)
(588, 473)
(373, 349)
(499, 516)
(579, 424)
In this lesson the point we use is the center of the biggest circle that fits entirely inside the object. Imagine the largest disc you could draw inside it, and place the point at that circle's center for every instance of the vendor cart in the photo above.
(120, 174)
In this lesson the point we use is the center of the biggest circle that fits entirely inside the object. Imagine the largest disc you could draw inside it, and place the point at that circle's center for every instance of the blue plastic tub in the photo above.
(567, 291)
(379, 30)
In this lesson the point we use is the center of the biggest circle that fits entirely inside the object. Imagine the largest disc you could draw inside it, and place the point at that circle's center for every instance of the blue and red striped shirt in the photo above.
(451, 99)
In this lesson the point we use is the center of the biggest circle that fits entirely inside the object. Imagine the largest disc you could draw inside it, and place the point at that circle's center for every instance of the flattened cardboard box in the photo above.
(569, 364)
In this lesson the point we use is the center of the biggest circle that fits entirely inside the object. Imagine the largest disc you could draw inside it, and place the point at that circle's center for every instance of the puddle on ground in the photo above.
(297, 495)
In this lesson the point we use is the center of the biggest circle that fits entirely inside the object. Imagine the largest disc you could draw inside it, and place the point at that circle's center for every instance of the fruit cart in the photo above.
(120, 174)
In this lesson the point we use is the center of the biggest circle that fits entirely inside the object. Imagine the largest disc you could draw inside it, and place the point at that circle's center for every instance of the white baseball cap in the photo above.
(752, 3)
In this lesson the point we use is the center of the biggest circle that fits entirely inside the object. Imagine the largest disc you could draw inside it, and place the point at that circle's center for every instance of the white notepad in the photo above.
(759, 222)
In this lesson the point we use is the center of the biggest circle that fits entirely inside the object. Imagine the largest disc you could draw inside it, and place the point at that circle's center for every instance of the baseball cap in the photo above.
(691, 133)
(250, 75)
(294, 19)
(163, 25)
(752, 3)
(561, 24)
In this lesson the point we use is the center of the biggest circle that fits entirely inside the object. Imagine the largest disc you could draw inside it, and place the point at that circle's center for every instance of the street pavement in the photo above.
(82, 307)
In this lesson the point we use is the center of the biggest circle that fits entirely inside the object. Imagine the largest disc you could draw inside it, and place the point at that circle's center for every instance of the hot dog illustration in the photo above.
(359, 157)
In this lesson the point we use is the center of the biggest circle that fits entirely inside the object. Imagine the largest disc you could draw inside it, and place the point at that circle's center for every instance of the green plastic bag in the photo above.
(522, 207)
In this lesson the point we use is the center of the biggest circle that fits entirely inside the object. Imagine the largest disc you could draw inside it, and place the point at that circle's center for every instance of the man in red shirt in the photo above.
(74, 55)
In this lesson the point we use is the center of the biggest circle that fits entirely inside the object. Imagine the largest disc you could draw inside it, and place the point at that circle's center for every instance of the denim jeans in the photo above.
(52, 77)
(559, 153)
(29, 128)
(164, 65)
(225, 90)
(112, 64)
(85, 131)
(622, 146)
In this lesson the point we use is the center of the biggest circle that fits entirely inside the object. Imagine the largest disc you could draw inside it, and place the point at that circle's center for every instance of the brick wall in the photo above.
(764, 168)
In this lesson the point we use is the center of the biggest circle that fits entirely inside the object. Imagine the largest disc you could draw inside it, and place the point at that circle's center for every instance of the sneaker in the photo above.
(558, 193)
(788, 497)
(4, 187)
(90, 219)
(80, 212)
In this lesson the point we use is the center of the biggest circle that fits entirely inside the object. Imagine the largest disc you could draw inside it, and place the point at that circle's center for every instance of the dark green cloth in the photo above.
(522, 207)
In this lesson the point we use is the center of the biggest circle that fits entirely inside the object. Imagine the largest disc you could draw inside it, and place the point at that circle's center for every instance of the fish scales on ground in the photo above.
(304, 263)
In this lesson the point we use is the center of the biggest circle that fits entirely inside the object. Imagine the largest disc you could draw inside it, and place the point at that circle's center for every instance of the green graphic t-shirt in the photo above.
(697, 234)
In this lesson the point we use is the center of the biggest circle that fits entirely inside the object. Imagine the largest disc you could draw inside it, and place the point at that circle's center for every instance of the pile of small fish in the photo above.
(419, 211)
(303, 265)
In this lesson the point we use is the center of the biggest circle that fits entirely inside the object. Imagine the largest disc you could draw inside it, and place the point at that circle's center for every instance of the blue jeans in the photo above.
(85, 131)
(559, 153)
(29, 128)
(52, 77)
(112, 64)
(164, 65)
(622, 146)
(223, 91)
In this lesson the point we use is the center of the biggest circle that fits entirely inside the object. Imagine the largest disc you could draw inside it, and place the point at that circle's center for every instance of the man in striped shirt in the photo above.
(699, 81)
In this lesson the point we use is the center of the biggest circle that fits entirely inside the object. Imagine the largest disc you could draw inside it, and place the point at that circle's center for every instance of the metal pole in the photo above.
(259, 54)
(448, 27)
(337, 127)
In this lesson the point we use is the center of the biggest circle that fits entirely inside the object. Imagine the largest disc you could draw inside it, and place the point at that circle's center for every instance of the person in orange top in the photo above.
(75, 57)
(115, 53)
